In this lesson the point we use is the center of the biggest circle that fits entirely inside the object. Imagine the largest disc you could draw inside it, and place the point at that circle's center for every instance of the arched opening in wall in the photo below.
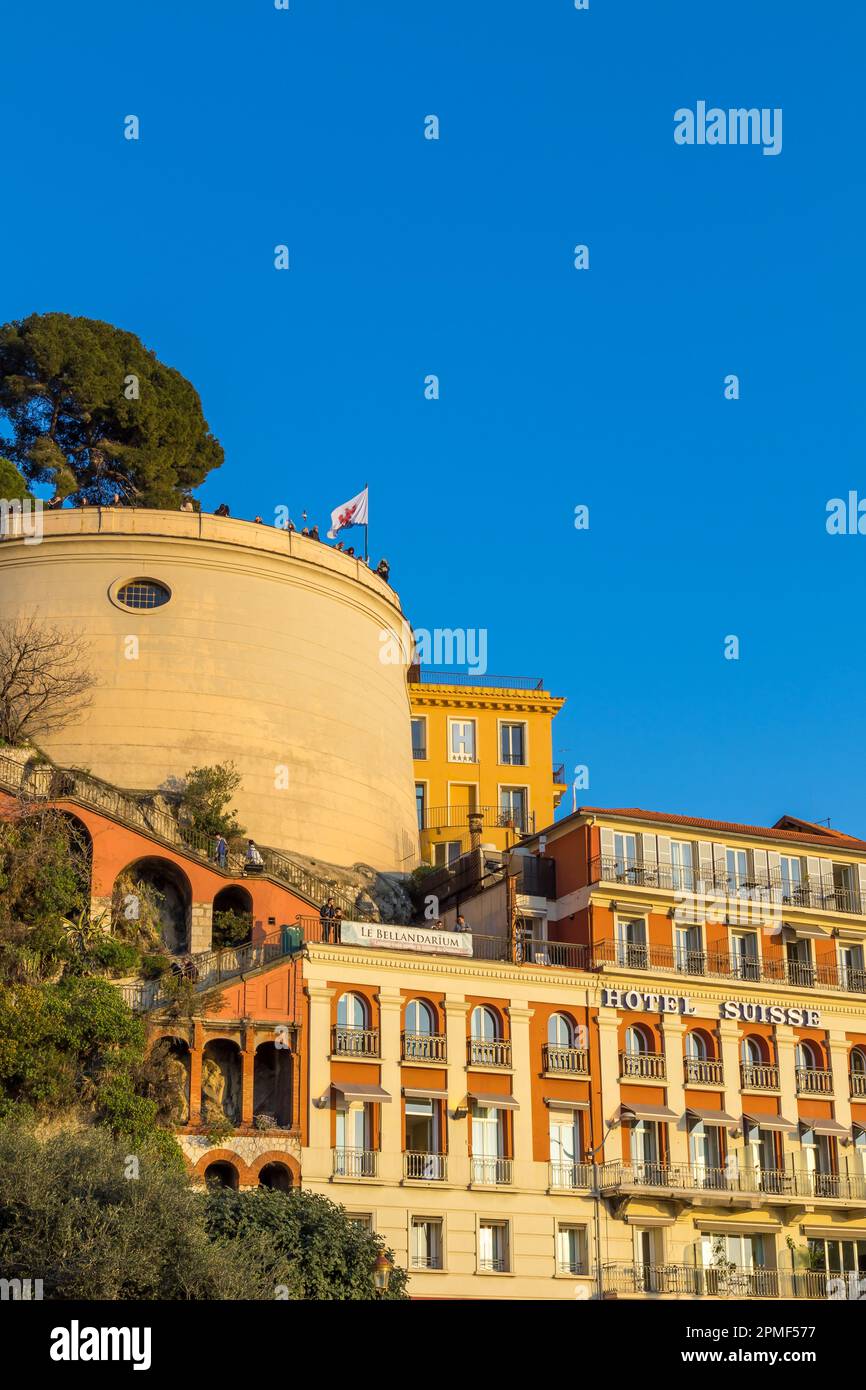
(80, 843)
(170, 1067)
(232, 917)
(157, 895)
(272, 1087)
(276, 1176)
(221, 1082)
(221, 1174)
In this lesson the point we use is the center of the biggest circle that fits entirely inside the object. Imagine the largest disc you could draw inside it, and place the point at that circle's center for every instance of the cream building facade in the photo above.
(216, 639)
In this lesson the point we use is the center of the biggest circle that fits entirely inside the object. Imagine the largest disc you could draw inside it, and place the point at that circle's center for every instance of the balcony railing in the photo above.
(813, 1081)
(771, 887)
(434, 675)
(569, 1177)
(722, 965)
(690, 1177)
(858, 1083)
(727, 1281)
(703, 1071)
(492, 1172)
(572, 1061)
(759, 1076)
(424, 1047)
(646, 1065)
(422, 1167)
(494, 817)
(355, 1042)
(356, 1163)
(489, 1053)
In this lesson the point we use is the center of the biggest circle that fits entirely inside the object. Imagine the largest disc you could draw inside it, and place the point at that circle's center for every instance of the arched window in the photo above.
(752, 1052)
(351, 1011)
(858, 1061)
(638, 1041)
(221, 1174)
(696, 1046)
(419, 1017)
(560, 1031)
(808, 1058)
(485, 1024)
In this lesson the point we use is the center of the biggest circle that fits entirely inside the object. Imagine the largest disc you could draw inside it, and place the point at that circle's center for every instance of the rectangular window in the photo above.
(512, 747)
(427, 1243)
(744, 956)
(631, 947)
(493, 1246)
(791, 876)
(682, 872)
(625, 858)
(419, 739)
(738, 868)
(461, 740)
(571, 1250)
(445, 852)
(364, 1219)
(420, 802)
(851, 968)
(512, 805)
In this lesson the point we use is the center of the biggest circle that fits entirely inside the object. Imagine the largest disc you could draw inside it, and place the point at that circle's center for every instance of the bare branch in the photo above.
(45, 678)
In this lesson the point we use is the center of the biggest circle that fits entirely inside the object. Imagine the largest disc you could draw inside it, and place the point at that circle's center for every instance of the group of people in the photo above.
(383, 569)
(331, 918)
(253, 861)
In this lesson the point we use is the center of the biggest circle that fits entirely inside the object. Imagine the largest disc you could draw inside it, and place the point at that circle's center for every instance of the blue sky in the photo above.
(558, 387)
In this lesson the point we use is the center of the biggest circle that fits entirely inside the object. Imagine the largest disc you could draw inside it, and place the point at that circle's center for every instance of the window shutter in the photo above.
(606, 844)
(720, 864)
(651, 859)
(813, 870)
(827, 877)
(705, 863)
(760, 865)
(861, 872)
(664, 852)
(774, 864)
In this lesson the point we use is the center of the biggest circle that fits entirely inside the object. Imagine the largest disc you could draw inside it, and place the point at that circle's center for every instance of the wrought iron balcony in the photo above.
(703, 1071)
(485, 1052)
(571, 1061)
(813, 1081)
(773, 888)
(725, 1281)
(570, 1177)
(424, 1047)
(759, 1076)
(495, 817)
(355, 1163)
(421, 1167)
(858, 1083)
(723, 965)
(849, 1188)
(492, 1172)
(355, 1042)
(644, 1065)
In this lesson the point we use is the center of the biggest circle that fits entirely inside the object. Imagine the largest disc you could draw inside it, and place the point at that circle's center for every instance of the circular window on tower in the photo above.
(139, 594)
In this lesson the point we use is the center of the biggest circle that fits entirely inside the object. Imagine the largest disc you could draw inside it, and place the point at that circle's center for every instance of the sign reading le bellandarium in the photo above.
(637, 1001)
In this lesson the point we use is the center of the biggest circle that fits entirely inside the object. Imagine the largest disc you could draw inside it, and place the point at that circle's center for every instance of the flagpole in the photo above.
(366, 524)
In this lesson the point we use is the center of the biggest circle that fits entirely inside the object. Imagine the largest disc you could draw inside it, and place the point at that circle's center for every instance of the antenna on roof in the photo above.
(825, 821)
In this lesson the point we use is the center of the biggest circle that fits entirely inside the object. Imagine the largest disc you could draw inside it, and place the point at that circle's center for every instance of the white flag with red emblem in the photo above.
(351, 513)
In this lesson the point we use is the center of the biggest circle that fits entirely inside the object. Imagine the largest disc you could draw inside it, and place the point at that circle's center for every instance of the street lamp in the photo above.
(382, 1273)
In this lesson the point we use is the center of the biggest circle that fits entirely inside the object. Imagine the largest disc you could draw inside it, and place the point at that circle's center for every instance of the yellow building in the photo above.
(485, 747)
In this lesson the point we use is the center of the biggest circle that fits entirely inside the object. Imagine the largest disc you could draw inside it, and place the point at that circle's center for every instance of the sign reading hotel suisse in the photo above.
(637, 1001)
(445, 943)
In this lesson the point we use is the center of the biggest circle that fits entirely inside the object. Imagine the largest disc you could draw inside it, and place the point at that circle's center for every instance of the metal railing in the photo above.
(759, 1076)
(701, 1071)
(722, 965)
(421, 1167)
(352, 1041)
(857, 1081)
(728, 1281)
(647, 1065)
(650, 1279)
(434, 675)
(571, 955)
(494, 817)
(750, 1182)
(771, 887)
(491, 1172)
(424, 1047)
(570, 1176)
(814, 1081)
(573, 1061)
(355, 1163)
(484, 1052)
(210, 968)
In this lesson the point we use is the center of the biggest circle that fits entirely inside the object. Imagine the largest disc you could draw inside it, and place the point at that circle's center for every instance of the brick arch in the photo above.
(276, 1156)
(222, 1156)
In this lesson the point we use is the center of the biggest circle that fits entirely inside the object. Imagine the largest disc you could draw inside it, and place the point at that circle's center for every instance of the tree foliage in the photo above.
(93, 411)
(13, 486)
(308, 1243)
(205, 800)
